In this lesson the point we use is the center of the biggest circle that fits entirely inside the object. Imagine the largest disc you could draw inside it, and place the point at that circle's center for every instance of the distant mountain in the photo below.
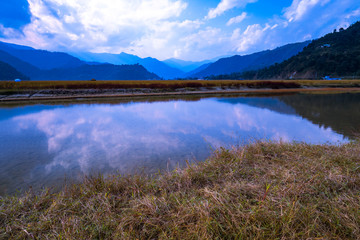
(336, 54)
(15, 46)
(160, 68)
(21, 66)
(151, 64)
(99, 72)
(251, 62)
(119, 59)
(186, 66)
(40, 58)
(7, 72)
(62, 66)
(197, 70)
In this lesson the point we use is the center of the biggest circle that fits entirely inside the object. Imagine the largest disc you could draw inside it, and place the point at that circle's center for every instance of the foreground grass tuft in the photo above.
(260, 191)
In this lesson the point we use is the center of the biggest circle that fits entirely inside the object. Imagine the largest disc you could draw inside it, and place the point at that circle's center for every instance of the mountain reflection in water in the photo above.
(44, 144)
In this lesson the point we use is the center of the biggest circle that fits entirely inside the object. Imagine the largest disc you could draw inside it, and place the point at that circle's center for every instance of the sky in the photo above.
(189, 30)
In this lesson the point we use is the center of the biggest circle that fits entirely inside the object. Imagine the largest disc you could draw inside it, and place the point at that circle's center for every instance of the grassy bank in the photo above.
(260, 191)
(173, 84)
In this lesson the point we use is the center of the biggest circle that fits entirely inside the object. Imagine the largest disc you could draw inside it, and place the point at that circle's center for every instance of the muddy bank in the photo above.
(53, 94)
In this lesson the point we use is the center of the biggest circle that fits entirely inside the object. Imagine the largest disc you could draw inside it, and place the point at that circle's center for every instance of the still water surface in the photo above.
(42, 145)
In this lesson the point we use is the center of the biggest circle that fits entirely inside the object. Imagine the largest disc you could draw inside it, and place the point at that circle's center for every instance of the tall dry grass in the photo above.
(259, 191)
(174, 84)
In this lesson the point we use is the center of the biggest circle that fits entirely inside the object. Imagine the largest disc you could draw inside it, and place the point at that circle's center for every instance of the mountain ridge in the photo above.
(41, 59)
(336, 54)
(62, 66)
(99, 72)
(187, 66)
(151, 64)
(21, 66)
(253, 61)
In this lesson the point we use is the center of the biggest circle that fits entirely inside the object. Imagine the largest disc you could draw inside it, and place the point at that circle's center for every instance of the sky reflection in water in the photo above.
(42, 144)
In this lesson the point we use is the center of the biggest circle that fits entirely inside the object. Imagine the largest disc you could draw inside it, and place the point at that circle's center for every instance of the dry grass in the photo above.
(260, 191)
(174, 84)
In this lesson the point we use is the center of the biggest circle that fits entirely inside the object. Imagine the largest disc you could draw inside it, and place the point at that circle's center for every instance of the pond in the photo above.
(47, 145)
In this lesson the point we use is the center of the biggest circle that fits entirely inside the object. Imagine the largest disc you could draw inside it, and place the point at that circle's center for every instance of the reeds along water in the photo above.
(171, 84)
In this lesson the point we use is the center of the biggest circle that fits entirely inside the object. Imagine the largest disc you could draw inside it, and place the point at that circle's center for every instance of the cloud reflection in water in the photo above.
(126, 137)
(119, 136)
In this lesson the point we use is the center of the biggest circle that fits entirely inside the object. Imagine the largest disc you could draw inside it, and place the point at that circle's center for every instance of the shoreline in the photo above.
(60, 94)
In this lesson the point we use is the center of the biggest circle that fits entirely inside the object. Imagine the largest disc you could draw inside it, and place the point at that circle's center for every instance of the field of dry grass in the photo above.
(260, 191)
(36, 85)
(174, 84)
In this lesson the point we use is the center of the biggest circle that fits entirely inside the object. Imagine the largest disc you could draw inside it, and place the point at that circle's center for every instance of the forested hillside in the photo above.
(252, 61)
(336, 54)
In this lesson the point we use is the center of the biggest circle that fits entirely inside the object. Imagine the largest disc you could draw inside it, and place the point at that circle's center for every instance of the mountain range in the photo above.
(335, 54)
(175, 68)
(100, 71)
(44, 65)
(187, 66)
(41, 59)
(251, 62)
(151, 64)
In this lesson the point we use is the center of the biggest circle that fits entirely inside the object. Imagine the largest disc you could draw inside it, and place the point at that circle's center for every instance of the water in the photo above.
(50, 144)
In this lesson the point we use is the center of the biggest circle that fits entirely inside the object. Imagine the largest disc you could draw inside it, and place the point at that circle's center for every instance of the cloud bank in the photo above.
(166, 29)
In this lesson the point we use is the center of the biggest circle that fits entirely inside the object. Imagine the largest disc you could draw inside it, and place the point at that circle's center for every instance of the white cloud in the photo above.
(9, 31)
(299, 8)
(96, 24)
(166, 39)
(250, 37)
(226, 5)
(163, 29)
(237, 19)
(201, 44)
(355, 13)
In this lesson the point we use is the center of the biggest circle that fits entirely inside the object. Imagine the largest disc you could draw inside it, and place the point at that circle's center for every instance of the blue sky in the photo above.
(189, 30)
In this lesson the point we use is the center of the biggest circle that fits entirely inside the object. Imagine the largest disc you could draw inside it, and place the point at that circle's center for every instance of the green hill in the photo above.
(336, 54)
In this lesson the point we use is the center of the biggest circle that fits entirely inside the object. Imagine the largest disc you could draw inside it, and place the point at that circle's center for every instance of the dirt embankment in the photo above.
(44, 90)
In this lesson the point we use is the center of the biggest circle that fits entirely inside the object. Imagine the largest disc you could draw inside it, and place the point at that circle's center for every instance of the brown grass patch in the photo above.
(260, 191)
